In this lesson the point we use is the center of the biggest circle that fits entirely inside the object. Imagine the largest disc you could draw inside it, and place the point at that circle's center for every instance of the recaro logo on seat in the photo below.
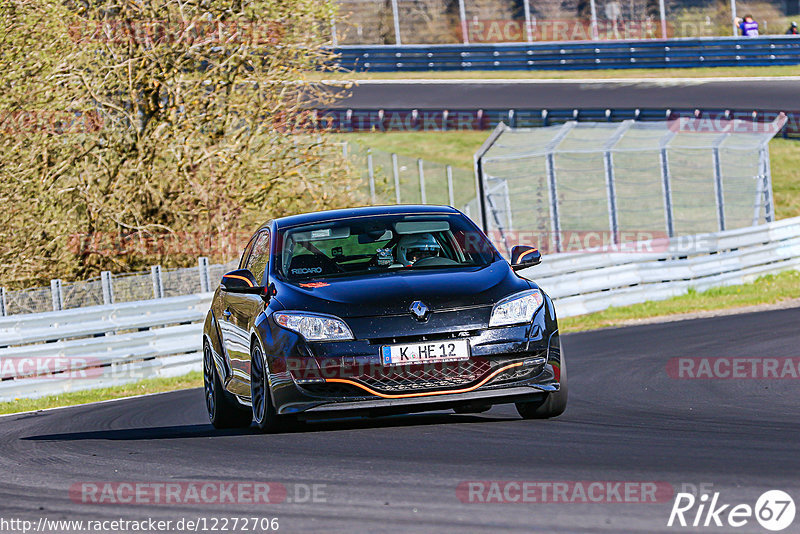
(307, 270)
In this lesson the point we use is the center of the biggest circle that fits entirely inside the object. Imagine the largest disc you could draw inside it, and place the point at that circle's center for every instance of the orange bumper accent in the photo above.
(425, 394)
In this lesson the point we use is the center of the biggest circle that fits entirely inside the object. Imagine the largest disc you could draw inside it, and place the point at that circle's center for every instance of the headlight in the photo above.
(516, 309)
(314, 327)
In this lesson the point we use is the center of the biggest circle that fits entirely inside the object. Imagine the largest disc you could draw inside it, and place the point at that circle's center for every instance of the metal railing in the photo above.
(442, 120)
(588, 55)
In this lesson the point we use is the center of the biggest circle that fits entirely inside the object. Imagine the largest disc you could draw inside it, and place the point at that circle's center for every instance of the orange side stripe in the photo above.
(407, 395)
(529, 252)
(240, 278)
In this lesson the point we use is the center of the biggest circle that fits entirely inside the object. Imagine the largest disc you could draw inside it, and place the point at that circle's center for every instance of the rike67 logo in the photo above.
(774, 510)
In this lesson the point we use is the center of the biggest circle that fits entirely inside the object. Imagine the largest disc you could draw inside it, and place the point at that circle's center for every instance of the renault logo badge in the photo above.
(419, 310)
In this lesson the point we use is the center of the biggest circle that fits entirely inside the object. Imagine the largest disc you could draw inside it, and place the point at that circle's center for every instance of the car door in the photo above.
(239, 312)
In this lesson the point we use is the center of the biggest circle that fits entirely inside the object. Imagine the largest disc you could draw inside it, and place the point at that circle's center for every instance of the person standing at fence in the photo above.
(793, 29)
(748, 27)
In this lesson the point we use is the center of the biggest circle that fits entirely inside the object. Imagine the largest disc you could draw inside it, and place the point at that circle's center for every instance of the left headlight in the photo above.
(314, 327)
(516, 309)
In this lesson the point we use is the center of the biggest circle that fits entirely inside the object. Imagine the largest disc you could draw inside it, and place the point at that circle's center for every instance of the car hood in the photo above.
(392, 293)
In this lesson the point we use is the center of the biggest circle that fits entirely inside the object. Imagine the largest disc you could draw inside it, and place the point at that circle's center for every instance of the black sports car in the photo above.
(378, 310)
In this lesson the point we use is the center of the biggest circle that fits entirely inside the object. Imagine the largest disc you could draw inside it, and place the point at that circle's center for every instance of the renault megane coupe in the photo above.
(378, 310)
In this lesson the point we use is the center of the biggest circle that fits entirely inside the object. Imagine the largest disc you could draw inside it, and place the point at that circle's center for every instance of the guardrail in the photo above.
(587, 55)
(100, 346)
(423, 120)
(583, 282)
(54, 352)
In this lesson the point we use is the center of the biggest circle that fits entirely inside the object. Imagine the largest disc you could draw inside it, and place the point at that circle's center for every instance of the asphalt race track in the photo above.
(779, 94)
(627, 421)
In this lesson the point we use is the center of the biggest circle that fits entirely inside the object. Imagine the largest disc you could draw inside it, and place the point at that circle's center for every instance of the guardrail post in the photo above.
(3, 302)
(106, 281)
(158, 283)
(57, 294)
(422, 196)
(371, 173)
(205, 278)
(450, 194)
(396, 173)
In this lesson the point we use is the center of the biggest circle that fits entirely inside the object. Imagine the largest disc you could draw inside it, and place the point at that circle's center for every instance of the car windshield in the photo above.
(381, 244)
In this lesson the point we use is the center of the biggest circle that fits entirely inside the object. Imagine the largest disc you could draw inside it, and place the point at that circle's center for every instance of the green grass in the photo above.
(706, 72)
(768, 289)
(152, 385)
(785, 164)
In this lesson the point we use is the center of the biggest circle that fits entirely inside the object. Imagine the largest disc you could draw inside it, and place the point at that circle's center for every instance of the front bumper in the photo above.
(510, 364)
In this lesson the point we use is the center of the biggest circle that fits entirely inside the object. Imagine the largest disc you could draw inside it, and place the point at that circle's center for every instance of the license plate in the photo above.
(428, 352)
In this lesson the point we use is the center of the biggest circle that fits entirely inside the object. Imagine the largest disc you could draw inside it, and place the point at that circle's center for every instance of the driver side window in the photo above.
(259, 257)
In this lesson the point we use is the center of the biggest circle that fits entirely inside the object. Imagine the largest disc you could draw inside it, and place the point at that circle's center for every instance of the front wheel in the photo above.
(264, 413)
(223, 410)
(552, 405)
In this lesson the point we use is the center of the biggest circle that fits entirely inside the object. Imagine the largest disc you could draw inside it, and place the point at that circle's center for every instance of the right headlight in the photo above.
(517, 308)
(314, 327)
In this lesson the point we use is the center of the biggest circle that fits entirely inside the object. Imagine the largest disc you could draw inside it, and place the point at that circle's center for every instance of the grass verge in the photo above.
(705, 72)
(769, 289)
(151, 385)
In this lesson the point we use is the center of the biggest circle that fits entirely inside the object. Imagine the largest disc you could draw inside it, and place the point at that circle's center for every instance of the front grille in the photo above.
(421, 377)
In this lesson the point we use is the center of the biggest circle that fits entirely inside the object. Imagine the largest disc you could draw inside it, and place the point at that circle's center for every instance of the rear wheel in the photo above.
(264, 413)
(552, 405)
(223, 410)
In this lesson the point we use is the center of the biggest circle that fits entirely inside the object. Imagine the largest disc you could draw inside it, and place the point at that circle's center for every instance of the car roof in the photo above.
(369, 211)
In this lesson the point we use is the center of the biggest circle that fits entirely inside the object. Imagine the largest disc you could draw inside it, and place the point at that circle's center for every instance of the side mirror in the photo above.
(241, 281)
(523, 256)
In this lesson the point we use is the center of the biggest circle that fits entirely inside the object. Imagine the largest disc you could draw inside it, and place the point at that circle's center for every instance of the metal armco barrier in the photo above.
(588, 55)
(429, 120)
(102, 346)
(586, 282)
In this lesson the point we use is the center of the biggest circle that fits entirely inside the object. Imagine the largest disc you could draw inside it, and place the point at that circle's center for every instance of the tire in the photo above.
(552, 405)
(223, 410)
(265, 416)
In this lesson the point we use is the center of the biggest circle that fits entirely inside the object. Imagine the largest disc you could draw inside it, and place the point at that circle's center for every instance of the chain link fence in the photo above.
(110, 288)
(562, 186)
(370, 22)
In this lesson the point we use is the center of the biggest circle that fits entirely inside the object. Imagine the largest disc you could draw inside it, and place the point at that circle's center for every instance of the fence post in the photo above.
(371, 172)
(106, 282)
(3, 302)
(57, 294)
(665, 184)
(718, 191)
(158, 283)
(423, 197)
(396, 173)
(205, 278)
(334, 38)
(608, 161)
(528, 28)
(396, 18)
(462, 13)
(344, 150)
(450, 194)
(769, 205)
